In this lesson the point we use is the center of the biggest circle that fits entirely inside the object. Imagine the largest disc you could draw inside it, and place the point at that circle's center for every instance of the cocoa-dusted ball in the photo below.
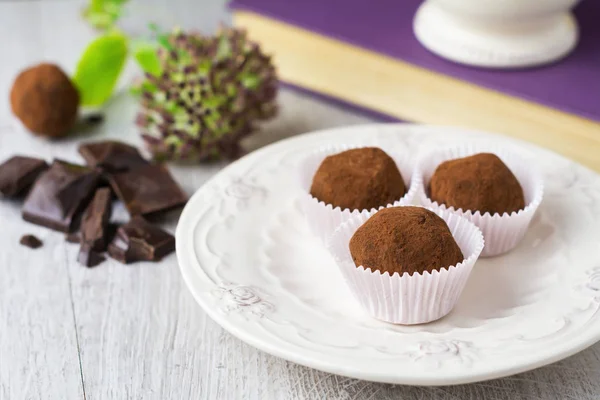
(404, 239)
(45, 100)
(481, 182)
(358, 179)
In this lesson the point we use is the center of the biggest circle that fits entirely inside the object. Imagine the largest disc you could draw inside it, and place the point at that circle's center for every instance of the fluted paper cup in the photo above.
(501, 232)
(323, 218)
(408, 299)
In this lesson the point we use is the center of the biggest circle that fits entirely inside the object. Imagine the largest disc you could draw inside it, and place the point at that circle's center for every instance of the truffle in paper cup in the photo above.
(501, 232)
(408, 299)
(323, 218)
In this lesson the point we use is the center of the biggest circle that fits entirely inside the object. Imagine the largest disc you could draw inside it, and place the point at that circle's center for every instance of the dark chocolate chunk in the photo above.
(59, 195)
(94, 225)
(88, 257)
(18, 174)
(31, 241)
(148, 190)
(73, 237)
(138, 240)
(111, 156)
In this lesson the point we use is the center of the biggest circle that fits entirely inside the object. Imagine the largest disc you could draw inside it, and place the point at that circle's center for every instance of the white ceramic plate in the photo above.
(247, 256)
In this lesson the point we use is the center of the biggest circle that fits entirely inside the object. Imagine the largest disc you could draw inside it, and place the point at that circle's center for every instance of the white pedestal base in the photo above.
(488, 43)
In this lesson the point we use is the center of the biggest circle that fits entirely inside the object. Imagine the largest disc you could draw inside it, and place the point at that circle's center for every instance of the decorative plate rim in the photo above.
(250, 301)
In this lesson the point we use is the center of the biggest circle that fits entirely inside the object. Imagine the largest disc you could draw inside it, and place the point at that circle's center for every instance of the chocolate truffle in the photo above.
(360, 179)
(404, 239)
(481, 182)
(45, 100)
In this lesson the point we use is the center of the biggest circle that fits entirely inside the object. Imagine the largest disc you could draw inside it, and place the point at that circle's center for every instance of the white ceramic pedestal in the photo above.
(499, 34)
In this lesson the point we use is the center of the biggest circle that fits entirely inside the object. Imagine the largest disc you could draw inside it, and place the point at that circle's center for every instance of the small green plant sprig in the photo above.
(200, 94)
(103, 14)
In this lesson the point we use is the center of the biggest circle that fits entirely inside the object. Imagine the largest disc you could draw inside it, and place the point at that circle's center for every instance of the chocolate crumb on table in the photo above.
(31, 241)
(94, 119)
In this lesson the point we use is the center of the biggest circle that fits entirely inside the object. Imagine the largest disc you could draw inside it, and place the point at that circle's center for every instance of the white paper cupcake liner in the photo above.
(323, 218)
(408, 299)
(501, 232)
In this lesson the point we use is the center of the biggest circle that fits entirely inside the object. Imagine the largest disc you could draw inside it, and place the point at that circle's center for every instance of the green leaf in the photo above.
(99, 68)
(147, 59)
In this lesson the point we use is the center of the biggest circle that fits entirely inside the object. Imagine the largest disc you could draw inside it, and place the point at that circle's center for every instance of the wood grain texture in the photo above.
(139, 332)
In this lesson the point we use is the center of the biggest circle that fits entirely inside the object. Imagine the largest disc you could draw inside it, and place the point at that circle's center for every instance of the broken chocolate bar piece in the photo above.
(89, 257)
(111, 156)
(59, 195)
(138, 240)
(31, 241)
(74, 237)
(18, 174)
(94, 225)
(148, 190)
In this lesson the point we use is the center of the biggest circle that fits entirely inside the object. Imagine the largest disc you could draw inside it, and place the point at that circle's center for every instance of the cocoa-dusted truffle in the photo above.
(45, 100)
(481, 182)
(358, 179)
(404, 239)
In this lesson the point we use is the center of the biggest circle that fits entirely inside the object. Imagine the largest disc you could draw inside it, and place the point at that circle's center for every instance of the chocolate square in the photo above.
(18, 174)
(138, 240)
(111, 156)
(148, 190)
(94, 225)
(59, 195)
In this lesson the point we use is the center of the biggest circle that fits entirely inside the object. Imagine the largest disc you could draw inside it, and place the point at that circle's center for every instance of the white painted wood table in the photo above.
(134, 332)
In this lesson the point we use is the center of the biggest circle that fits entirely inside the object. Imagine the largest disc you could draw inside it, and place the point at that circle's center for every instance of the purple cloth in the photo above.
(385, 26)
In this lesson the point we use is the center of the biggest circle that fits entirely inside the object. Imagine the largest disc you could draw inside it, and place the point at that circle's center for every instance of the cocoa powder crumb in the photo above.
(358, 179)
(481, 182)
(405, 239)
(31, 241)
